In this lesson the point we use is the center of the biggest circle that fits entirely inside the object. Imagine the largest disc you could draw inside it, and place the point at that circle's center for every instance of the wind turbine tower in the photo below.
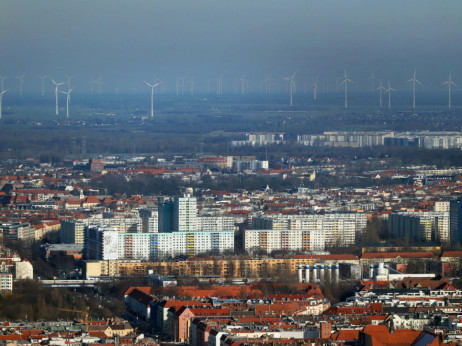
(315, 90)
(220, 85)
(372, 79)
(413, 80)
(56, 93)
(345, 81)
(1, 98)
(99, 85)
(449, 83)
(43, 86)
(152, 86)
(243, 84)
(68, 100)
(69, 78)
(2, 79)
(389, 90)
(380, 89)
(21, 83)
(291, 86)
(93, 86)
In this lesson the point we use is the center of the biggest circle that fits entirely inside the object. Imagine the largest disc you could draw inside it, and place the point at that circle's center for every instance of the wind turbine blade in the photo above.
(418, 81)
(53, 81)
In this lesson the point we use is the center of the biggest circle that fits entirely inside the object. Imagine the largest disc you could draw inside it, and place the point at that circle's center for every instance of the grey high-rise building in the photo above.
(455, 221)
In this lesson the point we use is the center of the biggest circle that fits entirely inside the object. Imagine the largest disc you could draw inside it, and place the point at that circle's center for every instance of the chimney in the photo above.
(307, 273)
(300, 278)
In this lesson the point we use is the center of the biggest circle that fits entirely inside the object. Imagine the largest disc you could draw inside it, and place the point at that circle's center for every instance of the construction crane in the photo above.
(80, 312)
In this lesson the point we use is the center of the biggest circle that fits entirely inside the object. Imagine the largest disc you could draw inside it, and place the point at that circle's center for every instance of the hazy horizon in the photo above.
(125, 43)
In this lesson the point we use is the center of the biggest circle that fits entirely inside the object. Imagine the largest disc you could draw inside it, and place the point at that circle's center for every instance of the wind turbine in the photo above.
(345, 81)
(99, 85)
(267, 84)
(192, 85)
(389, 90)
(93, 86)
(152, 86)
(69, 81)
(291, 86)
(315, 90)
(413, 80)
(68, 100)
(449, 83)
(220, 85)
(182, 84)
(43, 87)
(380, 89)
(2, 78)
(21, 83)
(243, 84)
(56, 93)
(1, 97)
(372, 79)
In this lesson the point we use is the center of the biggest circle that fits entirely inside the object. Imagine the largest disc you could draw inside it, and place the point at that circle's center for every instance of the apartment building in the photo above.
(420, 226)
(338, 229)
(215, 223)
(72, 232)
(101, 243)
(288, 240)
(17, 231)
(6, 282)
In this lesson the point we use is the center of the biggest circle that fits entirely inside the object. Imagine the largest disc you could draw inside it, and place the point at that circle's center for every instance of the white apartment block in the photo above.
(338, 229)
(185, 214)
(289, 240)
(215, 223)
(191, 243)
(133, 224)
(6, 282)
(151, 246)
(134, 246)
(442, 206)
